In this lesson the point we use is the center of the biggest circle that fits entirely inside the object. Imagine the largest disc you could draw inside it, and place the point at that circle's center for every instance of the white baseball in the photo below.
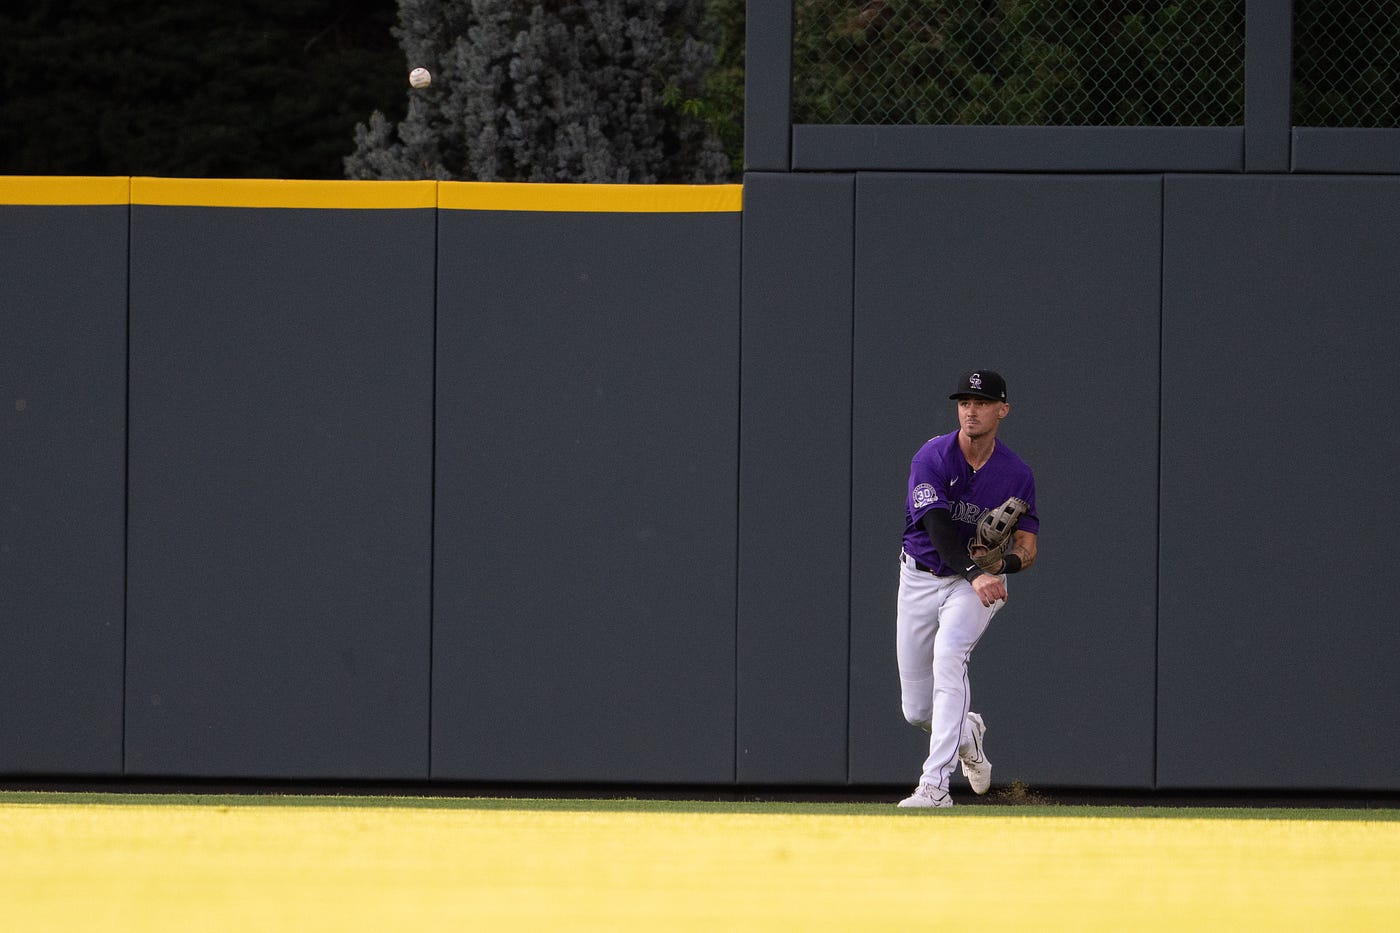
(420, 77)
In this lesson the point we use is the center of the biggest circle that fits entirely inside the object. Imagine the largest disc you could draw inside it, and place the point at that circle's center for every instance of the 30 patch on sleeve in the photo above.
(923, 496)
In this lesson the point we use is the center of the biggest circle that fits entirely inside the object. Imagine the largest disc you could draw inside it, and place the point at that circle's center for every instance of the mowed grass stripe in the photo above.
(970, 807)
(519, 864)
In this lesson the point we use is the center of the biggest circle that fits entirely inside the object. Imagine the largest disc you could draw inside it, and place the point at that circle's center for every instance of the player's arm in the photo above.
(938, 523)
(1023, 547)
(941, 531)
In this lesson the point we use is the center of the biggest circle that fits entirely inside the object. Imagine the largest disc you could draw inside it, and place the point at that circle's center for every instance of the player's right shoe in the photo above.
(973, 756)
(926, 795)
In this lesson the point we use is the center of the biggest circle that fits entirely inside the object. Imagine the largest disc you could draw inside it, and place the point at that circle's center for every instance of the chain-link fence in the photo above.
(1019, 62)
(1346, 63)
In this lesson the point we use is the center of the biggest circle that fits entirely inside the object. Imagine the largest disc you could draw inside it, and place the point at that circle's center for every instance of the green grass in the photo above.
(222, 862)
(1033, 806)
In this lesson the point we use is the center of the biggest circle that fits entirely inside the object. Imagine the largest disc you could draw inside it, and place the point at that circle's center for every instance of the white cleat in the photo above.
(926, 795)
(974, 757)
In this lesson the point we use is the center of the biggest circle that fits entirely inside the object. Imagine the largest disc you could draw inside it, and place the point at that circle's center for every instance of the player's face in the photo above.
(979, 417)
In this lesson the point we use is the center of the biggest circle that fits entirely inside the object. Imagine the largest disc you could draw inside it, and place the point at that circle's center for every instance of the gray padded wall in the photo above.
(1054, 282)
(1278, 627)
(795, 479)
(627, 588)
(280, 492)
(62, 448)
(587, 415)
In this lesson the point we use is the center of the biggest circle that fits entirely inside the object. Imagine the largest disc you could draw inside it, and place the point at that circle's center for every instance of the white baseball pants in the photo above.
(938, 623)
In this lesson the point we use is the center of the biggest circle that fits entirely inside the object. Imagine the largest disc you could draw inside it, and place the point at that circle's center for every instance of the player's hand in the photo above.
(989, 588)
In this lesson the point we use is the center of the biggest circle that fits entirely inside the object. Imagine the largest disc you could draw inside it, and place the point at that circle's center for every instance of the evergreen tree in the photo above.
(565, 90)
(722, 103)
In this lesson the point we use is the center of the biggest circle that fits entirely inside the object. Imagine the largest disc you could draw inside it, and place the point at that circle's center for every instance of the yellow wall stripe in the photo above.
(277, 192)
(625, 199)
(450, 195)
(64, 189)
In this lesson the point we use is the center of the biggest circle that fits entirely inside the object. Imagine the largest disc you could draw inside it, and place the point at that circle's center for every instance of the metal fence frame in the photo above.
(1267, 142)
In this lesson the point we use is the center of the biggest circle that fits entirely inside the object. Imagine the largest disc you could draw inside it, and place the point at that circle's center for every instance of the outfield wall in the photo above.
(420, 481)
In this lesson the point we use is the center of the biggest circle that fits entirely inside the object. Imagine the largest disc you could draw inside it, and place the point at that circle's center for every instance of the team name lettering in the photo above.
(968, 512)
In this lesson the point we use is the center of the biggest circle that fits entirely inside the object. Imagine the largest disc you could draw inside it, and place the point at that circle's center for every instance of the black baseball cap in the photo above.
(981, 384)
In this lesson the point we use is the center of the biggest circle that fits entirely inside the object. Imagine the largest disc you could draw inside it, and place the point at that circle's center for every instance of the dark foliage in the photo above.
(583, 91)
(202, 88)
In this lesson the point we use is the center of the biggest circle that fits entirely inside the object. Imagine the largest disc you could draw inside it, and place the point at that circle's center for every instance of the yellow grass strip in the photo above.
(220, 868)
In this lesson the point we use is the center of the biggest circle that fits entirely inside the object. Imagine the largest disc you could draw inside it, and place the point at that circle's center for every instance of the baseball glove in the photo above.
(993, 535)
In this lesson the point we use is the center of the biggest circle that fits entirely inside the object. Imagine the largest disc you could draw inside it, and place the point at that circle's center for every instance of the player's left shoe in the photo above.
(973, 756)
(927, 796)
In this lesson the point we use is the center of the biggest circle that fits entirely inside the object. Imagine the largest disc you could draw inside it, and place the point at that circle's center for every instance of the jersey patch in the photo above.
(923, 496)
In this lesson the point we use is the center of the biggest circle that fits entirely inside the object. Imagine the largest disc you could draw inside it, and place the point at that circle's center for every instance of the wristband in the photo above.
(972, 573)
(1011, 563)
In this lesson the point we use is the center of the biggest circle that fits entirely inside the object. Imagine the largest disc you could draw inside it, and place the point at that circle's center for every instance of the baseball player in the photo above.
(970, 520)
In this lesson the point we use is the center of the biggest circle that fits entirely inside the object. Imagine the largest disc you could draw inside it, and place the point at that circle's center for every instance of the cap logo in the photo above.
(975, 380)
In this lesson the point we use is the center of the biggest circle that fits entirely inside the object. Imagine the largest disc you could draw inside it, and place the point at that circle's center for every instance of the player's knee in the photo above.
(921, 716)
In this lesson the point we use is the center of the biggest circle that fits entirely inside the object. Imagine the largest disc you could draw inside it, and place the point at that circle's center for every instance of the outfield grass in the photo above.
(241, 862)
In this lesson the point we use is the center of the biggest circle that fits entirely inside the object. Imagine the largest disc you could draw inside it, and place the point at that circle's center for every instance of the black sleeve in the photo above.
(939, 525)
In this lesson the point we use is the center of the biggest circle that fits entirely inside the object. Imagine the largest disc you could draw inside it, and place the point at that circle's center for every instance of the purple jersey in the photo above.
(941, 478)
